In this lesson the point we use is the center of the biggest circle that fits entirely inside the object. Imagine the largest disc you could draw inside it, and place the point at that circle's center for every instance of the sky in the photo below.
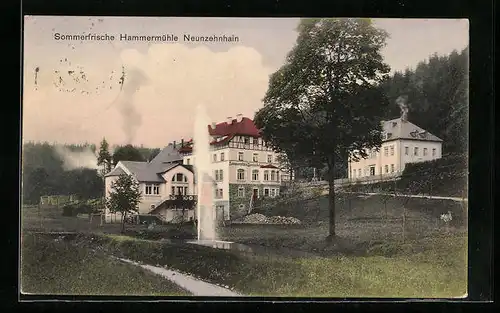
(72, 91)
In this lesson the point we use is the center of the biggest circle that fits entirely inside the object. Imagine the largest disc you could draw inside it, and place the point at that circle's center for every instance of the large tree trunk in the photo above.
(331, 199)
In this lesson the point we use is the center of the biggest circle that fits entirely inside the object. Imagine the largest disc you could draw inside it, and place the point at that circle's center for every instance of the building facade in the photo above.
(402, 143)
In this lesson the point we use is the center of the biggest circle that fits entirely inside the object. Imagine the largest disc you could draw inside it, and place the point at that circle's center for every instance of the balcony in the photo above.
(182, 197)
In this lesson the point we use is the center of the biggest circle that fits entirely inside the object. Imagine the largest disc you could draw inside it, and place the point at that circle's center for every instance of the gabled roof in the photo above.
(167, 155)
(151, 172)
(144, 171)
(117, 171)
(401, 129)
(226, 131)
(245, 127)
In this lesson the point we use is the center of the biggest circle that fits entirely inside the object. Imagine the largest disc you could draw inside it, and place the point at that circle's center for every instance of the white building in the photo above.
(403, 143)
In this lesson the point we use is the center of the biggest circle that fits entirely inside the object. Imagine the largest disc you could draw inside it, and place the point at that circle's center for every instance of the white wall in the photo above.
(398, 160)
(411, 158)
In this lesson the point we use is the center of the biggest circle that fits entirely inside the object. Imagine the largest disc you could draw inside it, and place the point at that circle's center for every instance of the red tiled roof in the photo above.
(243, 127)
(268, 166)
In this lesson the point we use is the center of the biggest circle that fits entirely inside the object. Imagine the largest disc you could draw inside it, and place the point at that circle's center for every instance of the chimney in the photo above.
(239, 117)
(174, 144)
(214, 125)
(229, 119)
(182, 143)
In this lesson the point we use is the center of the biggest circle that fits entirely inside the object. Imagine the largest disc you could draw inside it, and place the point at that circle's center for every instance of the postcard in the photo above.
(244, 157)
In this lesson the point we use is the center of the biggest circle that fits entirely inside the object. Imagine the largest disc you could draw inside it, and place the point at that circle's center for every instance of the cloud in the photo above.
(161, 106)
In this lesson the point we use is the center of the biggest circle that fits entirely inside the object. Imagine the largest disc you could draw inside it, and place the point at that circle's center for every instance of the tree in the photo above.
(127, 153)
(325, 103)
(104, 157)
(124, 197)
(35, 184)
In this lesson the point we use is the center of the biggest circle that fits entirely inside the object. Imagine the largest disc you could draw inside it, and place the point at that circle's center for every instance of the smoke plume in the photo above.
(132, 80)
(76, 159)
(401, 101)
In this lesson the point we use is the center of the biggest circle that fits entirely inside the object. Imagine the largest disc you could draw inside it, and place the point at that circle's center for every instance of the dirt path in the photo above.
(191, 284)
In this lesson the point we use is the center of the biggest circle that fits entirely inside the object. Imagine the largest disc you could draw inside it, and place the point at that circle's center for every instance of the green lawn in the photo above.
(430, 268)
(50, 267)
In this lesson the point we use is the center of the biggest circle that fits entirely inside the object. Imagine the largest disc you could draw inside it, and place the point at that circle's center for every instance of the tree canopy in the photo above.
(325, 103)
(128, 153)
(437, 97)
(104, 158)
(124, 197)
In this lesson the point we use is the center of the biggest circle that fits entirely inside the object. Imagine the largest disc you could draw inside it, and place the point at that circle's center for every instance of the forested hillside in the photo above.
(46, 169)
(437, 97)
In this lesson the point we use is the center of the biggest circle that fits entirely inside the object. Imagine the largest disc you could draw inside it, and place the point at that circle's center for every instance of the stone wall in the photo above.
(236, 210)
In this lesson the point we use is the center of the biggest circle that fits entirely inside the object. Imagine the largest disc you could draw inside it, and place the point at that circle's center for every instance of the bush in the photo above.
(69, 210)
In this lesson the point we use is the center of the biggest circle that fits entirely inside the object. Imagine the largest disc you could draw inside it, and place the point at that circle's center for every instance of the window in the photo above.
(218, 193)
(172, 191)
(277, 176)
(179, 177)
(273, 192)
(215, 157)
(241, 174)
(266, 175)
(255, 174)
(222, 156)
(386, 151)
(241, 192)
(425, 151)
(407, 150)
(218, 175)
(392, 168)
(277, 191)
(156, 189)
(241, 206)
(392, 150)
(240, 156)
(415, 151)
(187, 161)
(179, 190)
(255, 157)
(273, 175)
(149, 189)
(185, 190)
(247, 140)
(269, 158)
(359, 172)
(266, 192)
(386, 167)
(433, 151)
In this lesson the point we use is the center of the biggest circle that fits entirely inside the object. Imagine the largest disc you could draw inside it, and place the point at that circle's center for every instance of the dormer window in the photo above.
(389, 135)
(394, 124)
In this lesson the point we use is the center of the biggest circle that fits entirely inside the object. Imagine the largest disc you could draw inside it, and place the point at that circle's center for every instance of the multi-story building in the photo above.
(403, 142)
(243, 166)
(244, 169)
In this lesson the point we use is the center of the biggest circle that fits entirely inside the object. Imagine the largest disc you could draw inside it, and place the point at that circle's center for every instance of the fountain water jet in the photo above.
(204, 180)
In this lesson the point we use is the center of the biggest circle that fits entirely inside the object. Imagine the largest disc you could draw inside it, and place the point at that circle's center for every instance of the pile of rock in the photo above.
(288, 220)
(258, 218)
